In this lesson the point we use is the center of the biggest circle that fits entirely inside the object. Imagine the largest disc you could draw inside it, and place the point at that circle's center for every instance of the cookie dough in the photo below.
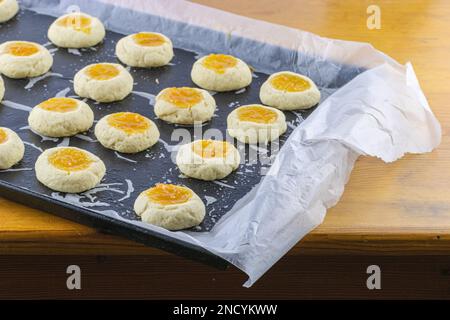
(185, 105)
(24, 59)
(256, 123)
(170, 206)
(2, 89)
(8, 9)
(11, 148)
(69, 169)
(221, 72)
(208, 159)
(145, 50)
(103, 82)
(126, 132)
(76, 30)
(289, 91)
(61, 117)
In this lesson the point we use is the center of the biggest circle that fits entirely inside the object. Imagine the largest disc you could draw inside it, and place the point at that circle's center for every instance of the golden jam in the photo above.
(210, 148)
(167, 194)
(59, 105)
(128, 122)
(102, 71)
(148, 39)
(289, 82)
(22, 49)
(219, 62)
(3, 136)
(257, 114)
(70, 159)
(182, 97)
(77, 22)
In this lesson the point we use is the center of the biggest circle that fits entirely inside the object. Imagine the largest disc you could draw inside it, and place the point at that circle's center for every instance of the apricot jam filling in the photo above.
(3, 136)
(210, 148)
(70, 159)
(182, 97)
(148, 39)
(257, 114)
(59, 105)
(290, 83)
(128, 122)
(77, 22)
(167, 194)
(219, 62)
(102, 71)
(22, 49)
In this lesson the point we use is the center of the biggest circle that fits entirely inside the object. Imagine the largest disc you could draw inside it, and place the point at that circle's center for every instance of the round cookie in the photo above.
(221, 72)
(2, 89)
(76, 30)
(8, 9)
(170, 206)
(126, 132)
(208, 159)
(12, 148)
(24, 59)
(103, 82)
(61, 117)
(289, 91)
(256, 123)
(185, 105)
(69, 169)
(145, 50)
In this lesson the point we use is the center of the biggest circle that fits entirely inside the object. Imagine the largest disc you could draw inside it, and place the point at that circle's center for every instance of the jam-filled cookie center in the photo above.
(76, 22)
(148, 39)
(69, 159)
(210, 148)
(22, 49)
(59, 105)
(128, 122)
(167, 194)
(102, 71)
(257, 114)
(3, 136)
(182, 97)
(289, 83)
(219, 62)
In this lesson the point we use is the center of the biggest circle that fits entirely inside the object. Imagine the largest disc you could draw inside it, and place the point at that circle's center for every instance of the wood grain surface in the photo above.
(402, 208)
(171, 277)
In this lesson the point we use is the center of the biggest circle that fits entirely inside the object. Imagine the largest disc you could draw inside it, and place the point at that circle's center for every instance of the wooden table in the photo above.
(387, 210)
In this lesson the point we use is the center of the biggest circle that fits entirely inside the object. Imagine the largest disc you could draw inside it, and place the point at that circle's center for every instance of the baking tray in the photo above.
(127, 175)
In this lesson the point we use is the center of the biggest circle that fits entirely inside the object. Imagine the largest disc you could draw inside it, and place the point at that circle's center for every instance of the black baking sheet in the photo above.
(125, 173)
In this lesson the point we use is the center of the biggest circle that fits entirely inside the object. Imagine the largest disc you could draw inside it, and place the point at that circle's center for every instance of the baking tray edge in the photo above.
(109, 225)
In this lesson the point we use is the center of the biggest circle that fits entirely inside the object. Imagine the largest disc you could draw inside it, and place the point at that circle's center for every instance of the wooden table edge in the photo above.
(432, 242)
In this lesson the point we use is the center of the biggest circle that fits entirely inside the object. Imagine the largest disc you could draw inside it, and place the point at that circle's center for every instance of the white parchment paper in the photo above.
(381, 112)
